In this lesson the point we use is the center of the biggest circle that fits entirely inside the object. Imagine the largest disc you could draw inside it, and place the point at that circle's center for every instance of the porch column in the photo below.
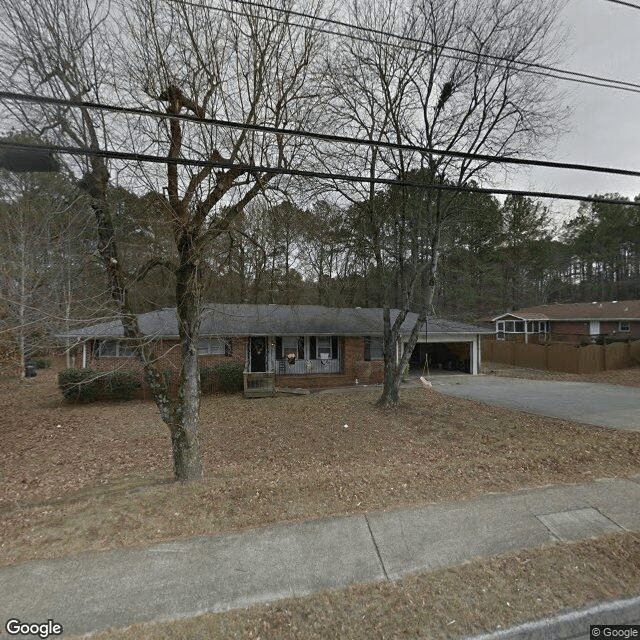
(84, 355)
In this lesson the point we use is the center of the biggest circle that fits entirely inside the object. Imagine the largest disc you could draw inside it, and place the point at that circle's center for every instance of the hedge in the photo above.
(86, 385)
(79, 385)
(230, 376)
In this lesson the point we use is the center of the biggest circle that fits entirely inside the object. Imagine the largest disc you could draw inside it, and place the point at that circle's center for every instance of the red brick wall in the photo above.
(169, 352)
(354, 366)
(568, 331)
(613, 329)
(575, 331)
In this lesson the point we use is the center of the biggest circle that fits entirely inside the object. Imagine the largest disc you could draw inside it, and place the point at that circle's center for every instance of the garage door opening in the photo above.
(441, 356)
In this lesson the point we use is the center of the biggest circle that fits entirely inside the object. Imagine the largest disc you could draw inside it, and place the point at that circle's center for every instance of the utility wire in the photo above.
(626, 4)
(528, 67)
(325, 137)
(338, 177)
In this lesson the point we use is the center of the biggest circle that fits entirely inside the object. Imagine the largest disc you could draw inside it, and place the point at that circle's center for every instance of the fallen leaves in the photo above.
(103, 479)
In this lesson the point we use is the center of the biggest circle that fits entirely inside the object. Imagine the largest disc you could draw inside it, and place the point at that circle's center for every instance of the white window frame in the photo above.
(376, 345)
(122, 349)
(318, 354)
(212, 346)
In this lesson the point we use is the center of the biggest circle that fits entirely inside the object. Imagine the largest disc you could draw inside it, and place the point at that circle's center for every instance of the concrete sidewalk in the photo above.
(95, 591)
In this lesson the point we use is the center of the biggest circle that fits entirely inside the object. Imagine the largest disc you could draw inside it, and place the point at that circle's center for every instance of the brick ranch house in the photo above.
(577, 323)
(303, 346)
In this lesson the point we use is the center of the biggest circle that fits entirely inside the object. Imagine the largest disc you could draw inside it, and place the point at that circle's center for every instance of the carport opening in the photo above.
(442, 356)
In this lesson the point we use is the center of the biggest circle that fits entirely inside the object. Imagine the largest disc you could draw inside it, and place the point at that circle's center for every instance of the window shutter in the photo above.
(334, 347)
(227, 348)
(312, 348)
(300, 347)
(367, 348)
(278, 348)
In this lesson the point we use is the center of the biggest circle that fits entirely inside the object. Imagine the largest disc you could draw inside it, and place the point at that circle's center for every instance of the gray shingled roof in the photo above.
(268, 319)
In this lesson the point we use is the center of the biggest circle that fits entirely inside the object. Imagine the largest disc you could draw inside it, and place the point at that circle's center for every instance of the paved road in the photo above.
(606, 405)
(573, 625)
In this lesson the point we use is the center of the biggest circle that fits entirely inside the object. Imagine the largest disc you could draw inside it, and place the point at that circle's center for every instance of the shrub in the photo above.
(79, 385)
(43, 363)
(121, 385)
(208, 378)
(229, 375)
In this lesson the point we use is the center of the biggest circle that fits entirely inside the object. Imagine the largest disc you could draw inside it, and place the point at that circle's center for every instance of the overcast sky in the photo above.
(604, 40)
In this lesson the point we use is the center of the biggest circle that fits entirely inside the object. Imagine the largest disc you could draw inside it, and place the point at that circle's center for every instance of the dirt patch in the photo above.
(626, 377)
(480, 596)
(77, 478)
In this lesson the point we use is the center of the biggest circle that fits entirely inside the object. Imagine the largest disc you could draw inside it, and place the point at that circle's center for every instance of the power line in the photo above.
(626, 4)
(338, 177)
(527, 67)
(325, 137)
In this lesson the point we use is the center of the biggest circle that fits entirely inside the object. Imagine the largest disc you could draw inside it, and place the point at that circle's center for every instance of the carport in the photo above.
(448, 346)
(442, 356)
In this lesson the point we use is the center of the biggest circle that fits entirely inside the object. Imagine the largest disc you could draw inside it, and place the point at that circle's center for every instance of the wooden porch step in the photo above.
(259, 393)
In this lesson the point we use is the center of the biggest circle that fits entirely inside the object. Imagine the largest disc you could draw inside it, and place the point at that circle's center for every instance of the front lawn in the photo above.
(98, 476)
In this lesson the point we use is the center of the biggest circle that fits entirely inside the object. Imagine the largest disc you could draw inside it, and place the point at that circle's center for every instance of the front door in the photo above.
(258, 354)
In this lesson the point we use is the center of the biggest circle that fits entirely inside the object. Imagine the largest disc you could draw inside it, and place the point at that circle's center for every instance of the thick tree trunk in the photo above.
(393, 372)
(95, 184)
(185, 439)
(391, 388)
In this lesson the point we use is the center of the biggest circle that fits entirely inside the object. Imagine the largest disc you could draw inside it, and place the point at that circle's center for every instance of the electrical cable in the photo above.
(626, 4)
(498, 159)
(339, 177)
(528, 67)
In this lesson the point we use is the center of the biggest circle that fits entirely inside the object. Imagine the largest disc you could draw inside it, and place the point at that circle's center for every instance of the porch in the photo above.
(259, 384)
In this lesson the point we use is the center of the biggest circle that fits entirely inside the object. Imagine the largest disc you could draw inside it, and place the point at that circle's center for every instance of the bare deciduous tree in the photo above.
(462, 86)
(239, 64)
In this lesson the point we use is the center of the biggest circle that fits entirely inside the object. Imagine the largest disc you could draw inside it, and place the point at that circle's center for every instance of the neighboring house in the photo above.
(299, 346)
(577, 322)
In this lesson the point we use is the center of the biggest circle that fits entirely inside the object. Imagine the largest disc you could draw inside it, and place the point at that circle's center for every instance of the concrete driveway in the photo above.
(606, 405)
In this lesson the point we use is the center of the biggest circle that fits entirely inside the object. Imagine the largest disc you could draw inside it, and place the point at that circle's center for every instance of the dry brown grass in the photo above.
(475, 597)
(99, 476)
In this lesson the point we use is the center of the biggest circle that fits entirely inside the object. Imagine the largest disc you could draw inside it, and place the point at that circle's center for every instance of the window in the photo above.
(213, 347)
(307, 348)
(519, 327)
(113, 349)
(373, 348)
(292, 348)
(323, 346)
(624, 325)
(289, 344)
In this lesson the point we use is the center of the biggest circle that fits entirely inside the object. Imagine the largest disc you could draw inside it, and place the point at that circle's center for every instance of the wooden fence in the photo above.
(563, 357)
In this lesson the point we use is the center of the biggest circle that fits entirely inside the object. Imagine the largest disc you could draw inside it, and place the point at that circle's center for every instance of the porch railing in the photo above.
(304, 367)
(259, 384)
